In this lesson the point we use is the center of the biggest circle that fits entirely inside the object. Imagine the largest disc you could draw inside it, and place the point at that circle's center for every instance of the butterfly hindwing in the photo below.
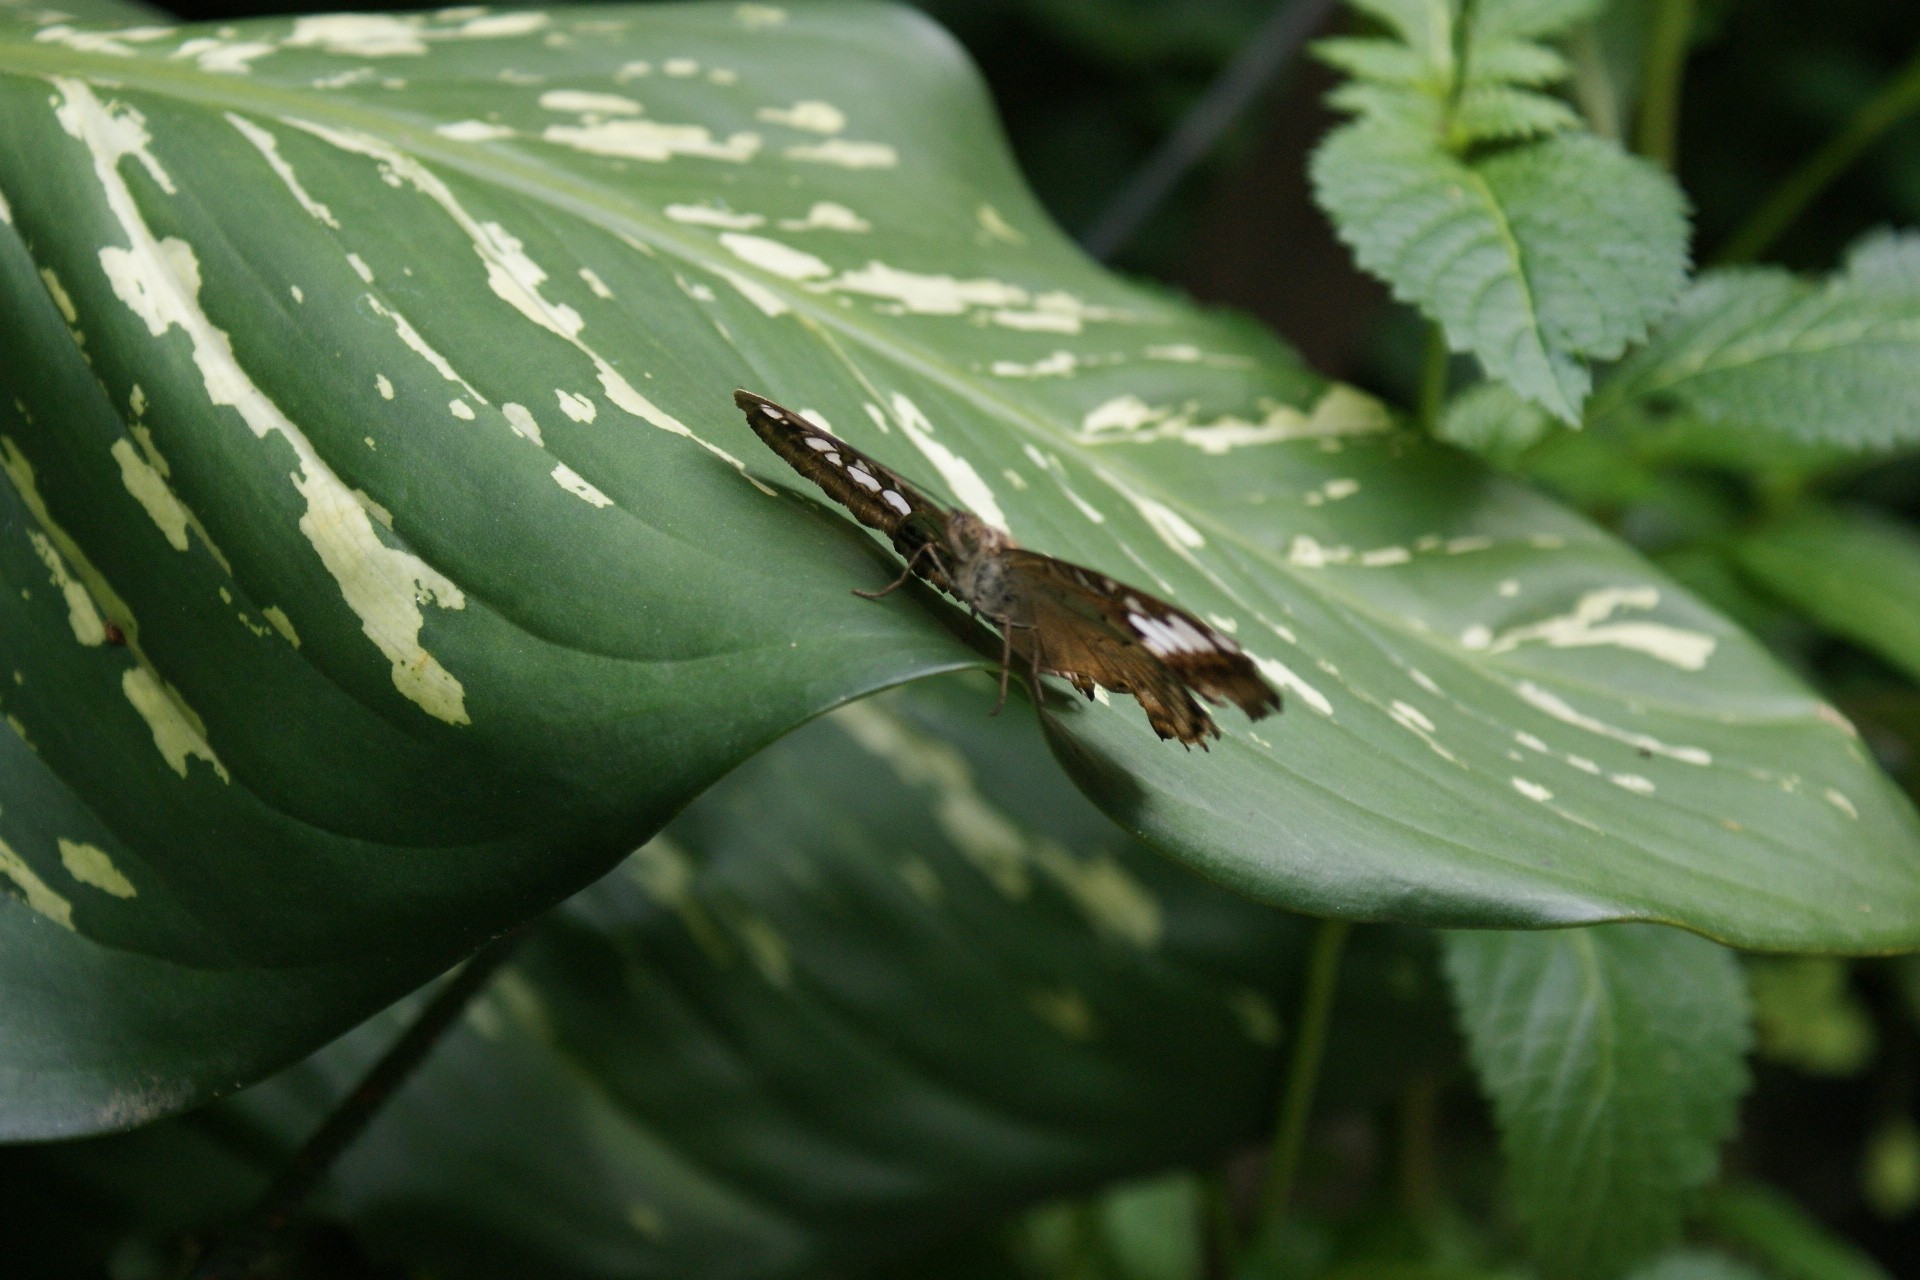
(1089, 627)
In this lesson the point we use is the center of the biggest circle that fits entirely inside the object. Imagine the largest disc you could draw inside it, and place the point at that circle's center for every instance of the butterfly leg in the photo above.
(898, 582)
(1006, 665)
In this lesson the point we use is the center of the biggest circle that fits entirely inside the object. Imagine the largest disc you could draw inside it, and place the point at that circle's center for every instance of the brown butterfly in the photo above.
(1059, 618)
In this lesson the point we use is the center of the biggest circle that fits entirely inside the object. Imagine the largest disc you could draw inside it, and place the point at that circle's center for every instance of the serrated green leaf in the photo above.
(890, 978)
(1490, 419)
(330, 741)
(1384, 61)
(1767, 354)
(1497, 113)
(1532, 258)
(1613, 1057)
(1526, 19)
(1853, 571)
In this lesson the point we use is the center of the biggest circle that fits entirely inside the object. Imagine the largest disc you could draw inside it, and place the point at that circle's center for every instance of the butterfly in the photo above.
(1058, 618)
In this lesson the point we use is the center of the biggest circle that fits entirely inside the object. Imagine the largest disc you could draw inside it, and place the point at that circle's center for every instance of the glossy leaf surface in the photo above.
(384, 560)
(886, 980)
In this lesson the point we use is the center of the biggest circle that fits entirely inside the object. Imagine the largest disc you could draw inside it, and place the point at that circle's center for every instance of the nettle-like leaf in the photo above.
(1763, 359)
(1614, 1059)
(1854, 572)
(1537, 255)
(384, 559)
(889, 978)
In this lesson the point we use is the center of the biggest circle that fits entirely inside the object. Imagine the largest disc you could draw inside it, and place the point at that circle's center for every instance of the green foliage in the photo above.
(1765, 1225)
(386, 422)
(1696, 1264)
(886, 976)
(1770, 360)
(1536, 255)
(1805, 1016)
(1854, 572)
(505, 584)
(1613, 1059)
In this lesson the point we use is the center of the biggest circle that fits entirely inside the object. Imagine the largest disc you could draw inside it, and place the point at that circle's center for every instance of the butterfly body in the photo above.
(1055, 617)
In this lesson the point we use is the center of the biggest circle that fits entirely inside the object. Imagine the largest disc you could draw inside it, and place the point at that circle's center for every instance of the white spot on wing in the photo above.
(1532, 790)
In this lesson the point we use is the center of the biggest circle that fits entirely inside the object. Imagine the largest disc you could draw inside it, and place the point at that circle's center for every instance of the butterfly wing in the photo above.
(1092, 630)
(878, 497)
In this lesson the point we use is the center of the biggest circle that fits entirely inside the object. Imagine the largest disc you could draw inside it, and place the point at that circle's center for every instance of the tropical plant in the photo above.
(389, 579)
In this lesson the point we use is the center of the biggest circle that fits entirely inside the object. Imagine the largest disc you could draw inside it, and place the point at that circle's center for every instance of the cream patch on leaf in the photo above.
(1285, 678)
(473, 131)
(584, 102)
(82, 614)
(40, 896)
(579, 486)
(845, 153)
(159, 282)
(269, 147)
(706, 215)
(521, 419)
(653, 141)
(813, 117)
(825, 215)
(1557, 707)
(959, 474)
(516, 279)
(774, 258)
(178, 734)
(1587, 625)
(89, 864)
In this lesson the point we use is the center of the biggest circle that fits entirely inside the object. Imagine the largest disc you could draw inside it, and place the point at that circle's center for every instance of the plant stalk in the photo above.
(1303, 1071)
(1435, 366)
(1897, 100)
(241, 1252)
(1668, 36)
(1265, 54)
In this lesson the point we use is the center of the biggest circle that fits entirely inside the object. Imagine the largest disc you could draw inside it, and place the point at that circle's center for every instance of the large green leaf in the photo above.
(1854, 572)
(890, 977)
(1756, 362)
(368, 377)
(1614, 1060)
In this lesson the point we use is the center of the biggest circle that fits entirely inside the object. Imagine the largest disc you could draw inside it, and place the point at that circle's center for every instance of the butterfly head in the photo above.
(971, 538)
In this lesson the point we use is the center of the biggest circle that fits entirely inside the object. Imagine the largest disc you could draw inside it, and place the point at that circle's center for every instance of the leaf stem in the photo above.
(1897, 100)
(1263, 57)
(1668, 36)
(1435, 364)
(241, 1252)
(1303, 1071)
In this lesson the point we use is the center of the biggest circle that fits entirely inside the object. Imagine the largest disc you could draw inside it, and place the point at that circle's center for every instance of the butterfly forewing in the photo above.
(877, 497)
